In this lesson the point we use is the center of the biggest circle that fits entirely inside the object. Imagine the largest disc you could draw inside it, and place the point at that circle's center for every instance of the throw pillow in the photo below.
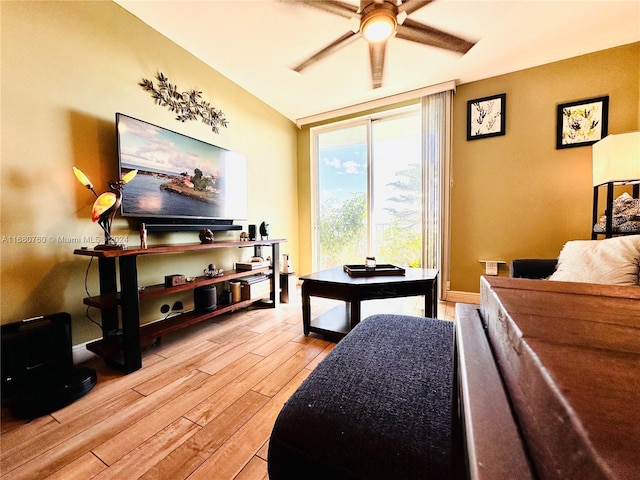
(614, 261)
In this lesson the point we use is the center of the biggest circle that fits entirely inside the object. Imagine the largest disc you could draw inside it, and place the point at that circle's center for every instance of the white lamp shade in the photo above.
(616, 158)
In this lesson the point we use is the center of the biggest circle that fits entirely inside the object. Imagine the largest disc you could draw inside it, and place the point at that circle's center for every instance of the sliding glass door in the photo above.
(342, 178)
(396, 190)
(380, 188)
(369, 191)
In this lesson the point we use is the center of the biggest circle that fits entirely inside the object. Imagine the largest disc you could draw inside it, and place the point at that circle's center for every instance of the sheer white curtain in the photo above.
(436, 121)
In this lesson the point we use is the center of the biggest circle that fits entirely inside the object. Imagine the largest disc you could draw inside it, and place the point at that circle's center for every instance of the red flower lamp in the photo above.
(106, 205)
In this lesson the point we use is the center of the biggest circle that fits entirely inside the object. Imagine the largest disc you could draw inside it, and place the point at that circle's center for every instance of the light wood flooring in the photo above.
(202, 406)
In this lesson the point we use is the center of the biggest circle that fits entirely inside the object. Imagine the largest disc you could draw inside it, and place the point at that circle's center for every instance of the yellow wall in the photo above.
(67, 67)
(516, 196)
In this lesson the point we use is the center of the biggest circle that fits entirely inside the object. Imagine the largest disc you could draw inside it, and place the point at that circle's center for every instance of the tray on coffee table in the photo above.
(382, 270)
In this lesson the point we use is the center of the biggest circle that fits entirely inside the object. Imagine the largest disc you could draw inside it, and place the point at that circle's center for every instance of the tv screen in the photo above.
(179, 178)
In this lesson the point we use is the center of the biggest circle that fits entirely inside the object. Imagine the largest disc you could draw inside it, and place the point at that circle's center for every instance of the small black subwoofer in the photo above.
(205, 298)
(38, 376)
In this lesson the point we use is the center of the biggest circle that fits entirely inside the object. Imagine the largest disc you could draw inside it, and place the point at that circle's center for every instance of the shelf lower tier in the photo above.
(151, 331)
(110, 300)
(111, 349)
(334, 322)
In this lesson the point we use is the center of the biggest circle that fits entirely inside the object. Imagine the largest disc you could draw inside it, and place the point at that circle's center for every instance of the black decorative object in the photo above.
(264, 231)
(188, 105)
(212, 271)
(205, 298)
(381, 270)
(206, 236)
(486, 117)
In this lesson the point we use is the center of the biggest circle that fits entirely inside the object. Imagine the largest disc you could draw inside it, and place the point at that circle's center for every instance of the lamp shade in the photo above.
(616, 158)
(82, 178)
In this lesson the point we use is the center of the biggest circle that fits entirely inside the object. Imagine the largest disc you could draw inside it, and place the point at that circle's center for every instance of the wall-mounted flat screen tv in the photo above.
(180, 179)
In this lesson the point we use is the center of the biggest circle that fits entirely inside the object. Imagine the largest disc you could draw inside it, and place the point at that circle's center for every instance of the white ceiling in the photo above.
(255, 43)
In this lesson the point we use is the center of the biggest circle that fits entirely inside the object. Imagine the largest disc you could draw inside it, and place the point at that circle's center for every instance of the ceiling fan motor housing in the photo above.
(378, 15)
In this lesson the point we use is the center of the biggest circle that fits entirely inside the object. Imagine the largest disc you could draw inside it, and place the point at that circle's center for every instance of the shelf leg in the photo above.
(306, 308)
(431, 299)
(594, 218)
(354, 308)
(275, 276)
(609, 210)
(130, 313)
(107, 272)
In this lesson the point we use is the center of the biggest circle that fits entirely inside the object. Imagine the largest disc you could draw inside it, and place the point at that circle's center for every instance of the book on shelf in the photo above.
(254, 279)
(245, 266)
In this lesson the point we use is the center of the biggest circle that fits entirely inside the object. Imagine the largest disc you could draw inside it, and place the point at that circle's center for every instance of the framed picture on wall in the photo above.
(486, 116)
(582, 123)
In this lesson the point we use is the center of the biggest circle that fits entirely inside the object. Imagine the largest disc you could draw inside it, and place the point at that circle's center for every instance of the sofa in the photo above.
(612, 261)
(536, 268)
(379, 406)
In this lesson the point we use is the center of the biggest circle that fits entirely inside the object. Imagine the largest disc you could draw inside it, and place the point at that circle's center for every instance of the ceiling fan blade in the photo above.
(343, 41)
(417, 32)
(334, 6)
(376, 55)
(410, 6)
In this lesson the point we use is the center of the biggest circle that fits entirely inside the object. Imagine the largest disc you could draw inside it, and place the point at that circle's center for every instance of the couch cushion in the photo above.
(613, 261)
(379, 406)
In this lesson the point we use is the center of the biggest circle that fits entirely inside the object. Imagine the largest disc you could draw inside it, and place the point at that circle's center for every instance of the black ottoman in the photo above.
(379, 406)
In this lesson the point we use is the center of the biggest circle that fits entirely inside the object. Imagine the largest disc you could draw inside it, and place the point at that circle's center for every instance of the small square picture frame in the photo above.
(582, 123)
(486, 116)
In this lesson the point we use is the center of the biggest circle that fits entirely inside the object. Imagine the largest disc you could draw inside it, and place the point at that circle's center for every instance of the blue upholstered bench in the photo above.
(379, 406)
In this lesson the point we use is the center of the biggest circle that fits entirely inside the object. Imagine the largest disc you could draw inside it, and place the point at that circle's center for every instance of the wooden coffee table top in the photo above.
(337, 275)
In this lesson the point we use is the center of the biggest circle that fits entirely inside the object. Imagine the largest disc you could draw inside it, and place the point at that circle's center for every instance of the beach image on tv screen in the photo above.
(179, 176)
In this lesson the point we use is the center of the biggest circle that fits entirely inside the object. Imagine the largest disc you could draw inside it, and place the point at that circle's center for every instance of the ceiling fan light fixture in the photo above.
(378, 25)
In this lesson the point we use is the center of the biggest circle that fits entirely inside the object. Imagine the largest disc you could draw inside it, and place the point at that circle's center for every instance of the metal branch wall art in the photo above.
(187, 105)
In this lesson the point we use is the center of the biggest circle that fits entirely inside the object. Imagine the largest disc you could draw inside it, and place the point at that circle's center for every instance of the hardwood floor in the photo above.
(201, 407)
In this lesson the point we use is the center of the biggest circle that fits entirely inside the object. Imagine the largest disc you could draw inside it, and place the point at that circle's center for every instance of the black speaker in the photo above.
(38, 376)
(252, 232)
(205, 298)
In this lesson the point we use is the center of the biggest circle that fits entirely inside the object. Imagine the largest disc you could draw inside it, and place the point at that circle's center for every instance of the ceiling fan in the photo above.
(377, 21)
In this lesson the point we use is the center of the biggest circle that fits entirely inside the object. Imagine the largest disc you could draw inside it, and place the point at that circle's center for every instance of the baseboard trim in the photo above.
(462, 297)
(80, 353)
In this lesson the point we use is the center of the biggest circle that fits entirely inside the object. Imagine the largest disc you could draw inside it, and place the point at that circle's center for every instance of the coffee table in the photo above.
(336, 284)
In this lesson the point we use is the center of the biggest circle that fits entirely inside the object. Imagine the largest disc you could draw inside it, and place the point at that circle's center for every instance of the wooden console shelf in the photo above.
(121, 345)
(153, 291)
